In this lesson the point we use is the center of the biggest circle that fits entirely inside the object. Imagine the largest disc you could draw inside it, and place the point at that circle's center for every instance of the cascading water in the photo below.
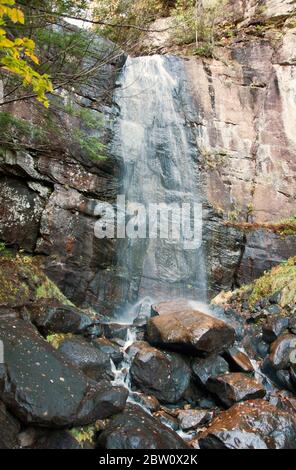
(158, 149)
(157, 146)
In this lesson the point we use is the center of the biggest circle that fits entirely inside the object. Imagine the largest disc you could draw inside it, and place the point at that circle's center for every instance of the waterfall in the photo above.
(158, 148)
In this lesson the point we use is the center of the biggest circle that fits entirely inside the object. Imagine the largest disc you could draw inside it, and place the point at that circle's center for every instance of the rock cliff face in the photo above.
(48, 192)
(243, 103)
(247, 143)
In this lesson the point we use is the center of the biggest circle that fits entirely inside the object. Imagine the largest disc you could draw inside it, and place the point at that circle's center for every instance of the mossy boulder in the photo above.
(24, 284)
(279, 283)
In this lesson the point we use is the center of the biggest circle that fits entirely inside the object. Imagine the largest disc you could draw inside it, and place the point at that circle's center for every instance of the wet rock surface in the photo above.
(41, 388)
(162, 374)
(61, 440)
(190, 419)
(235, 387)
(135, 429)
(188, 329)
(110, 348)
(251, 425)
(9, 429)
(209, 367)
(281, 350)
(273, 328)
(63, 319)
(93, 362)
(279, 365)
(239, 361)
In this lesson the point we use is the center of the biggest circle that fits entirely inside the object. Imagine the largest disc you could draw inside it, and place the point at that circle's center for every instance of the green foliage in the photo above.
(212, 159)
(22, 282)
(90, 145)
(13, 131)
(280, 278)
(288, 226)
(15, 53)
(67, 50)
(84, 434)
(204, 51)
(128, 12)
(90, 122)
(197, 23)
(3, 250)
(57, 339)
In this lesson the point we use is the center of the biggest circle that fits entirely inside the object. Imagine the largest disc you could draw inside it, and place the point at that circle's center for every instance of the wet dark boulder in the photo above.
(61, 440)
(108, 347)
(188, 330)
(148, 402)
(162, 374)
(62, 319)
(235, 387)
(115, 330)
(293, 373)
(191, 419)
(273, 328)
(281, 351)
(253, 343)
(212, 366)
(93, 362)
(275, 298)
(135, 429)
(238, 360)
(9, 429)
(40, 387)
(284, 400)
(253, 424)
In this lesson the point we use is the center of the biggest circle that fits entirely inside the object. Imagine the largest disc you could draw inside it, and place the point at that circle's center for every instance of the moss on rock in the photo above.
(23, 283)
(281, 278)
(56, 339)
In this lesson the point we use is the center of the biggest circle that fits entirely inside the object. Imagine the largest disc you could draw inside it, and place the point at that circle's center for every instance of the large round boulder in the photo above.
(162, 374)
(135, 429)
(40, 387)
(188, 330)
(93, 362)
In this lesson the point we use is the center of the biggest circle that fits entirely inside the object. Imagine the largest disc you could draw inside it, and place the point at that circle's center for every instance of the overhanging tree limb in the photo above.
(98, 22)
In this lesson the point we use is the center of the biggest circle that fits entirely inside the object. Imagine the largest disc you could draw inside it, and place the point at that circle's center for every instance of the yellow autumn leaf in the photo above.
(4, 42)
(18, 42)
(7, 2)
(12, 54)
(17, 16)
(29, 43)
(32, 57)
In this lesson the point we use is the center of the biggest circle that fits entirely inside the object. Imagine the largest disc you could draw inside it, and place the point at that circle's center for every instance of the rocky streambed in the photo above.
(175, 378)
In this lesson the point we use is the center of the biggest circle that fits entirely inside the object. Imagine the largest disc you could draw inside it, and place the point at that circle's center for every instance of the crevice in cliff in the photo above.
(236, 283)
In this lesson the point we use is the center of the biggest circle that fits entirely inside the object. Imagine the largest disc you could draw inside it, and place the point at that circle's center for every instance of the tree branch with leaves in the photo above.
(17, 53)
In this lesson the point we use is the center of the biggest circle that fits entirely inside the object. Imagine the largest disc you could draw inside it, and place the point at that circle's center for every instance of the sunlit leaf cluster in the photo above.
(17, 53)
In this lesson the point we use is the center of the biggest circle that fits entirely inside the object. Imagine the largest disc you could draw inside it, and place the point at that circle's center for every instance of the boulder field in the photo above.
(213, 379)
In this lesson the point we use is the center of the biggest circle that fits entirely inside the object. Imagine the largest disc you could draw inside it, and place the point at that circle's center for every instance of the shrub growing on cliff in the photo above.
(195, 21)
(124, 19)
